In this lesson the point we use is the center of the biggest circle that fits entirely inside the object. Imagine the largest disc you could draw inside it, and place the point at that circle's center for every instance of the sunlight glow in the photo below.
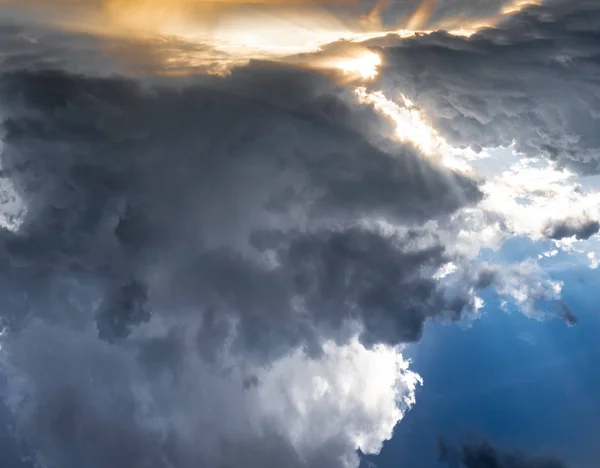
(216, 35)
(413, 127)
(365, 66)
(421, 15)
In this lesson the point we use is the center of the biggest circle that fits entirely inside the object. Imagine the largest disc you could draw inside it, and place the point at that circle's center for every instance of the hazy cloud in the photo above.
(568, 316)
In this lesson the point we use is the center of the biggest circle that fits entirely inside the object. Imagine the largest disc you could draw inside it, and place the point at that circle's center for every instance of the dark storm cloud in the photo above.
(232, 215)
(581, 229)
(533, 79)
(120, 181)
(486, 455)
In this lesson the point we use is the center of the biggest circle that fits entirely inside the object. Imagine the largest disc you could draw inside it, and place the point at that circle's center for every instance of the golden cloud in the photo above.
(218, 34)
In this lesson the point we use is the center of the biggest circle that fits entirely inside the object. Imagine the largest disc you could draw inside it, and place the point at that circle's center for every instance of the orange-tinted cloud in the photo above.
(218, 34)
(421, 15)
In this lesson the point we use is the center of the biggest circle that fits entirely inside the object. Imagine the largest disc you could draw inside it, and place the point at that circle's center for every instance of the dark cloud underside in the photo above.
(123, 182)
(580, 229)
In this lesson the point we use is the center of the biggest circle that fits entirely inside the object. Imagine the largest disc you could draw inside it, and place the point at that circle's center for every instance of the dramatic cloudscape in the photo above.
(299, 233)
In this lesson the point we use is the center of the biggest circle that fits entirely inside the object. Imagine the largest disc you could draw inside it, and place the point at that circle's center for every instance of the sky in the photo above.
(299, 234)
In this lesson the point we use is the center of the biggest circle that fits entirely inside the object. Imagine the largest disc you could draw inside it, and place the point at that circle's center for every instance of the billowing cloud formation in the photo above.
(485, 455)
(500, 85)
(185, 181)
(220, 271)
(162, 405)
(198, 265)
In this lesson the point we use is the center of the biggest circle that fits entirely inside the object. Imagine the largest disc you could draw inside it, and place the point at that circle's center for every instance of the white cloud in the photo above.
(350, 392)
(528, 285)
(594, 263)
(548, 254)
(532, 193)
(527, 197)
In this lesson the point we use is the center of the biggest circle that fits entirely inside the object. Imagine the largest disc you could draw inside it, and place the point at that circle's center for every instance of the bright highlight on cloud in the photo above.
(412, 127)
(365, 65)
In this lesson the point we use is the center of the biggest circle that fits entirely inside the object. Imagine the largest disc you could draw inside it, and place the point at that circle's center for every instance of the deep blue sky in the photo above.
(518, 382)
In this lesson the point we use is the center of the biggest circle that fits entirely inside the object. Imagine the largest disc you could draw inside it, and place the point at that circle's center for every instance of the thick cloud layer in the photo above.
(532, 80)
(185, 252)
(149, 191)
(485, 455)
(157, 403)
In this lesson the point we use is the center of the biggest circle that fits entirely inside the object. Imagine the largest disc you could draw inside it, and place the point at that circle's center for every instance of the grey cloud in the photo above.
(579, 228)
(31, 45)
(367, 275)
(125, 306)
(80, 401)
(168, 228)
(84, 412)
(238, 217)
(532, 79)
(122, 183)
(568, 316)
(486, 455)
